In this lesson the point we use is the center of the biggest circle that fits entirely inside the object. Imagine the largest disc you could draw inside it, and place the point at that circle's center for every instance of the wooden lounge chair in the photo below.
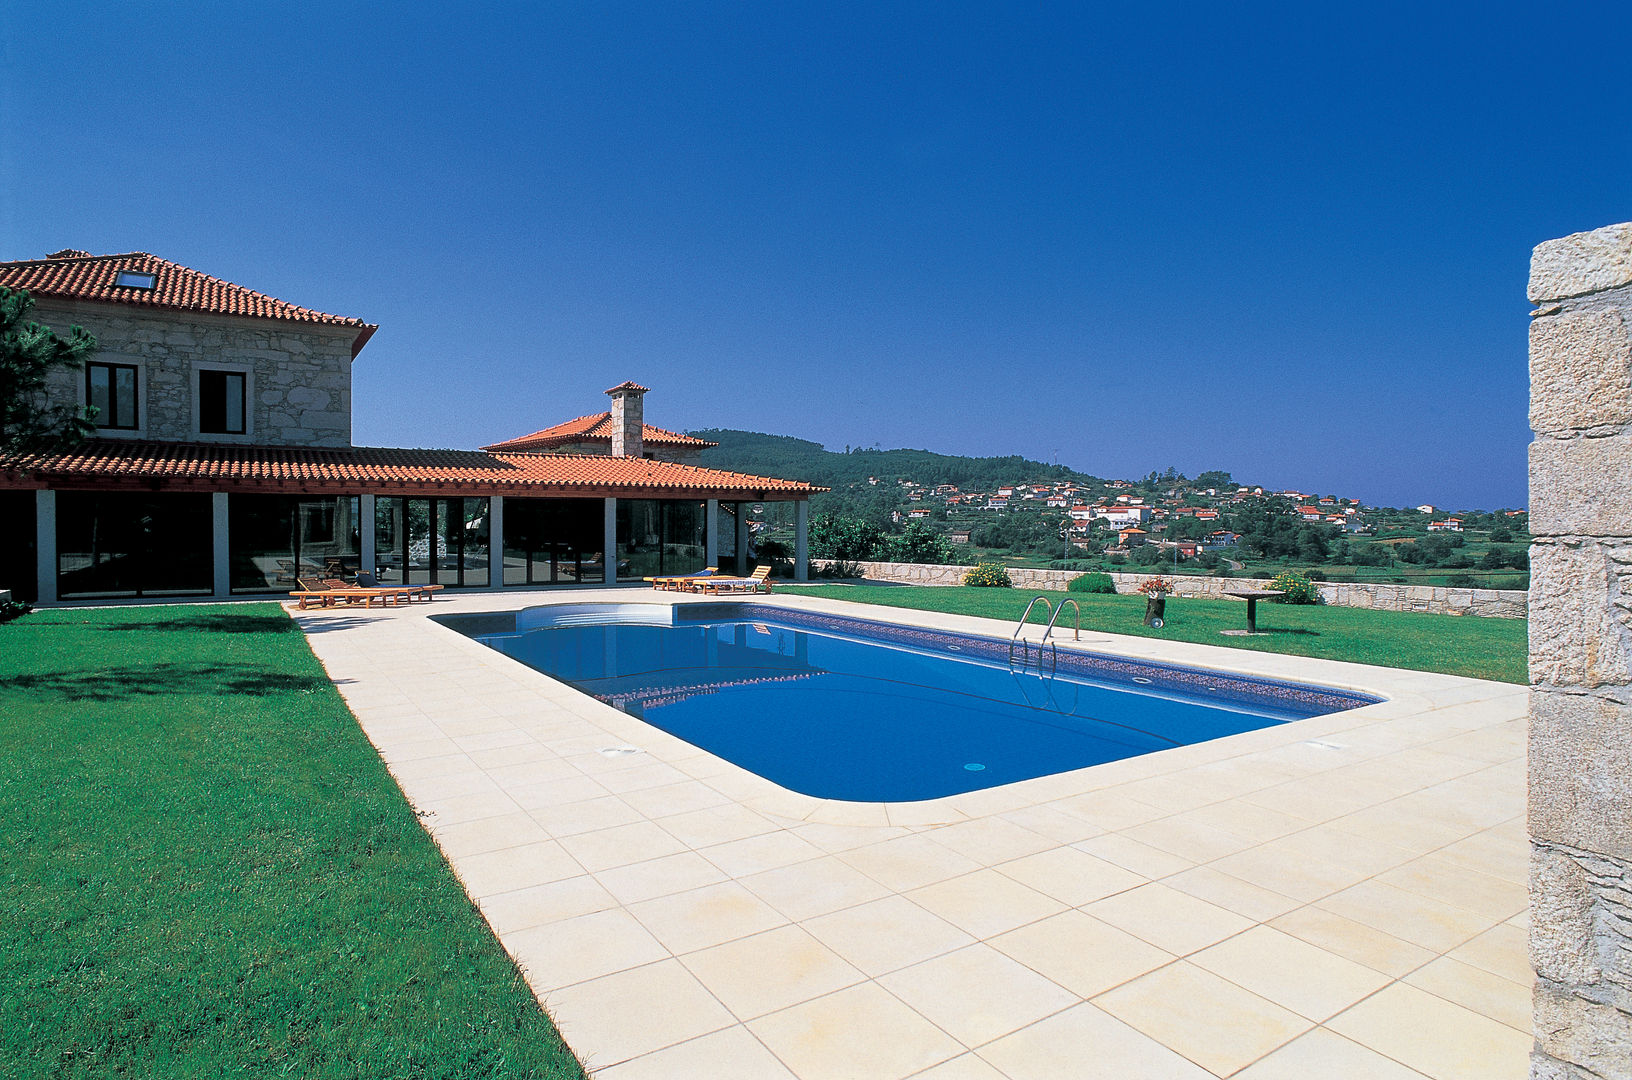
(758, 581)
(365, 580)
(681, 582)
(327, 595)
(384, 593)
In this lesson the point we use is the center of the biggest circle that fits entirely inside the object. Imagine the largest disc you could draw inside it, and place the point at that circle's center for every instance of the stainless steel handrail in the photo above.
(1025, 651)
(1061, 611)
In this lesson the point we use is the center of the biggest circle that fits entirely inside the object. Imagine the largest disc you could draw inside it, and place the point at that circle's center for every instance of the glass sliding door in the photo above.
(659, 536)
(273, 540)
(553, 541)
(128, 545)
(18, 554)
(431, 541)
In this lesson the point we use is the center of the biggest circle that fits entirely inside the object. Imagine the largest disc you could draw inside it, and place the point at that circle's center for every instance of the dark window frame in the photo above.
(109, 419)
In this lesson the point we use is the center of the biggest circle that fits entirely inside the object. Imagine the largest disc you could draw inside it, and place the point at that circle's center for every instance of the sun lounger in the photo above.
(365, 580)
(758, 581)
(681, 582)
(328, 595)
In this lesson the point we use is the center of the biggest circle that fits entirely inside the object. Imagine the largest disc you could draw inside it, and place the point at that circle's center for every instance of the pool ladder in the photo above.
(1024, 646)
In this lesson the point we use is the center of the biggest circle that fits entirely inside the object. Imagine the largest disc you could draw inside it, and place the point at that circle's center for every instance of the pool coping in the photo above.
(453, 756)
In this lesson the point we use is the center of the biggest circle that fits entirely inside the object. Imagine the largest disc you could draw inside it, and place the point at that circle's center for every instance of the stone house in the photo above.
(223, 463)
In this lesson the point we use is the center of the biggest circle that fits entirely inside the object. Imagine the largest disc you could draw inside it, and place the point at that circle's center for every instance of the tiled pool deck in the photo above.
(1339, 897)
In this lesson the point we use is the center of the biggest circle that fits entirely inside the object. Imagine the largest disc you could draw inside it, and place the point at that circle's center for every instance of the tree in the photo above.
(918, 543)
(29, 352)
(845, 539)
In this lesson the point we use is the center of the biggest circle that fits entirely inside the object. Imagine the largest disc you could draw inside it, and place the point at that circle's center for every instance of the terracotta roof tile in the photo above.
(375, 468)
(596, 426)
(76, 275)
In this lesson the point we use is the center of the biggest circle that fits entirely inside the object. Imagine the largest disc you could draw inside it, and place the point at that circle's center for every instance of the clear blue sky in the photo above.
(1284, 241)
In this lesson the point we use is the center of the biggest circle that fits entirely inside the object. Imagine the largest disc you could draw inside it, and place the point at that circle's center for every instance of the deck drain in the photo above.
(1141, 680)
(619, 751)
(975, 766)
(1320, 744)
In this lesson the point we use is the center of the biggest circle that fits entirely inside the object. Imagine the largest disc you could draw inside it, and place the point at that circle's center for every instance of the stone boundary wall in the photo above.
(1494, 603)
(1580, 754)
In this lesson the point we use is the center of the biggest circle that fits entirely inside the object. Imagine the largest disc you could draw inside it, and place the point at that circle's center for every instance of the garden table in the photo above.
(1252, 596)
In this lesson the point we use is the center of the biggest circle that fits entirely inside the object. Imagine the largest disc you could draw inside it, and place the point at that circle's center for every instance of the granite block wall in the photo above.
(1580, 756)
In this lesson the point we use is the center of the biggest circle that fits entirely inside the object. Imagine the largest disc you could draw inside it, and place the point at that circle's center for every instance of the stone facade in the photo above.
(1432, 599)
(299, 374)
(1581, 656)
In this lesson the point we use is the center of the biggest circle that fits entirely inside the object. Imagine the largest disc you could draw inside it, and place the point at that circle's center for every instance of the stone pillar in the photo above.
(367, 554)
(742, 539)
(711, 532)
(221, 545)
(45, 547)
(801, 540)
(495, 542)
(609, 542)
(1581, 655)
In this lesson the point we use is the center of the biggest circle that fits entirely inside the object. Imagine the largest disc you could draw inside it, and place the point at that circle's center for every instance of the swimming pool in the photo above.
(846, 708)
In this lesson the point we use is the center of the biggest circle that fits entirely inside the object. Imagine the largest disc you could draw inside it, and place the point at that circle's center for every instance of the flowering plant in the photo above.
(1298, 589)
(989, 574)
(1156, 586)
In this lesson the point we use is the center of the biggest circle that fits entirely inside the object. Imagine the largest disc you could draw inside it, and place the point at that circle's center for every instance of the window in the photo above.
(131, 279)
(111, 390)
(221, 403)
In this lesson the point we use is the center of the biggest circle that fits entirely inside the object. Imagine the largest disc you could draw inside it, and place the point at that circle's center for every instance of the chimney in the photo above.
(628, 419)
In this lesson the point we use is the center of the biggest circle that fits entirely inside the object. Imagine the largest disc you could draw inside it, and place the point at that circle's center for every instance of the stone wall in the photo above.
(1581, 655)
(299, 375)
(1432, 599)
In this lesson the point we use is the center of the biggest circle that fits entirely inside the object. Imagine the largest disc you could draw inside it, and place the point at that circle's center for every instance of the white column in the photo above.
(711, 533)
(366, 552)
(609, 541)
(495, 541)
(742, 539)
(45, 546)
(221, 549)
(801, 540)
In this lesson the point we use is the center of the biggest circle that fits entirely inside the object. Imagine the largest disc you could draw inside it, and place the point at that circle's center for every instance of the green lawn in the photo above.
(1453, 644)
(208, 872)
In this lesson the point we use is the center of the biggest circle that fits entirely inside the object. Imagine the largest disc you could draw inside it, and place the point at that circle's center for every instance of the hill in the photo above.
(850, 471)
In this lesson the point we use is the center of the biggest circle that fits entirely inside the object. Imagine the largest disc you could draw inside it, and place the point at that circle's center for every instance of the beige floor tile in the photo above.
(1502, 950)
(543, 904)
(837, 838)
(886, 935)
(1110, 810)
(985, 903)
(1325, 1055)
(1242, 818)
(634, 1012)
(1133, 855)
(771, 971)
(1441, 879)
(977, 994)
(1290, 972)
(740, 858)
(659, 877)
(591, 815)
(488, 834)
(1353, 941)
(1364, 855)
(1071, 876)
(860, 1028)
(1081, 953)
(1167, 918)
(1435, 1037)
(1227, 891)
(1486, 994)
(992, 840)
(451, 810)
(622, 845)
(711, 915)
(1086, 1043)
(818, 887)
(1493, 852)
(731, 1054)
(515, 868)
(966, 1067)
(582, 948)
(557, 792)
(1209, 1020)
(1305, 879)
(1188, 837)
(714, 825)
(909, 862)
(1420, 919)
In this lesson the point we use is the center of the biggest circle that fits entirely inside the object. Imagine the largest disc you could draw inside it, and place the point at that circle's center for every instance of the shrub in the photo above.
(839, 568)
(1462, 581)
(1297, 588)
(14, 609)
(989, 574)
(1092, 583)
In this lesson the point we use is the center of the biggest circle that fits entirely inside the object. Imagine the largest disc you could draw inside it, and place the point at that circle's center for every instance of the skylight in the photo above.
(130, 279)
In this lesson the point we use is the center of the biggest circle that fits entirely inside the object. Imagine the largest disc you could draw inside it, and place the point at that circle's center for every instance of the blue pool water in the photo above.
(843, 708)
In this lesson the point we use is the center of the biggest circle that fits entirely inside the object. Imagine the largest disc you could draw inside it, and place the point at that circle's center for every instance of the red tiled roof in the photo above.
(596, 426)
(197, 466)
(77, 275)
(629, 384)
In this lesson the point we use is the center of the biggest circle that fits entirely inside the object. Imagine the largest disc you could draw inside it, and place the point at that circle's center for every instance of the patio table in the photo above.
(1252, 596)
